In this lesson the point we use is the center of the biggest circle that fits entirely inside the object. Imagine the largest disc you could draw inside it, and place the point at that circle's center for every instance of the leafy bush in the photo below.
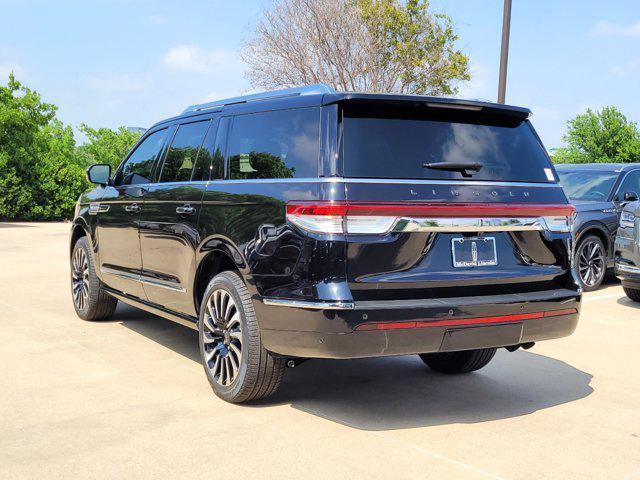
(604, 136)
(42, 171)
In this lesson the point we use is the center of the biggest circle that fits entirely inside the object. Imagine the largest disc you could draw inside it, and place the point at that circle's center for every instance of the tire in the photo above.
(458, 362)
(590, 262)
(632, 293)
(89, 300)
(238, 367)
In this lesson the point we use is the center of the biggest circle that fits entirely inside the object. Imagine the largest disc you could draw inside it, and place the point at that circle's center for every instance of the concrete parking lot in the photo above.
(127, 398)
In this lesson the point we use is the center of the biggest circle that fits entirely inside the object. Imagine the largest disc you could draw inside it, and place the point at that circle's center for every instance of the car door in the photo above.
(119, 215)
(630, 183)
(168, 225)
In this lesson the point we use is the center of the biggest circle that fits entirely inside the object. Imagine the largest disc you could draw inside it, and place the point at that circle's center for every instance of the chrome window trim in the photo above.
(397, 181)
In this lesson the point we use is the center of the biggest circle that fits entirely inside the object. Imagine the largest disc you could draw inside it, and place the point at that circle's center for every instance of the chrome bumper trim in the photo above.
(311, 305)
(627, 268)
(469, 224)
(142, 279)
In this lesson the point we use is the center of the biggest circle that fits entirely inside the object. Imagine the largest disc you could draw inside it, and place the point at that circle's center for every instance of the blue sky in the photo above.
(117, 62)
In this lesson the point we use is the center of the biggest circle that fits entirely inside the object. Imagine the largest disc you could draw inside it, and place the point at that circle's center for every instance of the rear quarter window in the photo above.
(398, 143)
(183, 152)
(277, 144)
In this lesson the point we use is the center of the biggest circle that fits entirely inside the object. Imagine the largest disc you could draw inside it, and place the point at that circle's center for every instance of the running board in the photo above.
(186, 320)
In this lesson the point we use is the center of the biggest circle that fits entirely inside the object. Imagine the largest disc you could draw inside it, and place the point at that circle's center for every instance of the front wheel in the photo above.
(89, 301)
(590, 262)
(238, 367)
(458, 362)
(632, 293)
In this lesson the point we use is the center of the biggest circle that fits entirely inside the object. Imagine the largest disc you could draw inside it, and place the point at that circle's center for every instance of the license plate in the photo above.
(474, 252)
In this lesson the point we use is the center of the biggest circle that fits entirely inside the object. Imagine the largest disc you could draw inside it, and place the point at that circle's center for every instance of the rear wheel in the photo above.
(632, 293)
(590, 262)
(458, 362)
(237, 366)
(89, 301)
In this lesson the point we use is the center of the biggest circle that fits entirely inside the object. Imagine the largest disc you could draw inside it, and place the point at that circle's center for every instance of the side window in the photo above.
(183, 152)
(631, 183)
(210, 165)
(139, 166)
(279, 144)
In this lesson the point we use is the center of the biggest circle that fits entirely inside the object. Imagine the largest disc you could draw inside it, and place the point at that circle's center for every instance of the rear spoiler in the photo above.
(497, 109)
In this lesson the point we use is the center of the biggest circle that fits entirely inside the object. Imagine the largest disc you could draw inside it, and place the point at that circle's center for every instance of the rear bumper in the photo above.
(371, 329)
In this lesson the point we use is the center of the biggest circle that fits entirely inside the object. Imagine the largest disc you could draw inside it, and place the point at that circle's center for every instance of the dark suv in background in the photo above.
(598, 191)
(307, 223)
(627, 250)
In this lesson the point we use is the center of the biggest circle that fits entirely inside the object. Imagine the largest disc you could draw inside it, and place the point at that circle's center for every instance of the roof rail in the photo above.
(288, 92)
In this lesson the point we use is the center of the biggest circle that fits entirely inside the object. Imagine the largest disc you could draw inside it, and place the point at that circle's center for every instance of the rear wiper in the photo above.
(461, 167)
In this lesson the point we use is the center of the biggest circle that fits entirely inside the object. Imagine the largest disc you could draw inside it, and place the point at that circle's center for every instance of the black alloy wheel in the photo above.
(590, 262)
(90, 301)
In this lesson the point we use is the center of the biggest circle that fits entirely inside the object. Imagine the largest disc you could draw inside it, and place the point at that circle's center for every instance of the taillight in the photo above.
(318, 217)
(561, 223)
(378, 218)
(338, 218)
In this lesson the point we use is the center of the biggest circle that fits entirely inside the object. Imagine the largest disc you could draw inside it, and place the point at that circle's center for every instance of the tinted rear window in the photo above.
(396, 144)
(278, 144)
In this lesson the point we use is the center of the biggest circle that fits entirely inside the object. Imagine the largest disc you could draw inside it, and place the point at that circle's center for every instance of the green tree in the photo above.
(600, 137)
(23, 143)
(42, 171)
(355, 45)
(60, 174)
(105, 145)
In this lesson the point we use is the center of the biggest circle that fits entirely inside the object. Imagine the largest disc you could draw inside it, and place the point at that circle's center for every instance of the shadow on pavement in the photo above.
(400, 392)
(178, 338)
(14, 225)
(627, 302)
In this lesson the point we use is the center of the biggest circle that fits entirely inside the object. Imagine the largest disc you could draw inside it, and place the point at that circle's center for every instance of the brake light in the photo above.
(378, 218)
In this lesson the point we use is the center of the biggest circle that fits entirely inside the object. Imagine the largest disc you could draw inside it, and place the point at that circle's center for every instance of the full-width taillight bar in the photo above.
(362, 218)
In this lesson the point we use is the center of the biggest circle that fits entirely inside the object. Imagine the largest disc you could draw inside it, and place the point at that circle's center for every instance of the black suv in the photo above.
(598, 191)
(627, 251)
(307, 223)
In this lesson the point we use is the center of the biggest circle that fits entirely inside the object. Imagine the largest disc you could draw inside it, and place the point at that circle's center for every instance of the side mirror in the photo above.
(630, 196)
(99, 174)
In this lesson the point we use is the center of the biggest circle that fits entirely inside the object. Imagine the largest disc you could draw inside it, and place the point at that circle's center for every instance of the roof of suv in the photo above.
(603, 167)
(325, 95)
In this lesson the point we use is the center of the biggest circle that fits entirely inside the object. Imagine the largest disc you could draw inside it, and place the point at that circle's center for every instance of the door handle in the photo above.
(185, 210)
(133, 208)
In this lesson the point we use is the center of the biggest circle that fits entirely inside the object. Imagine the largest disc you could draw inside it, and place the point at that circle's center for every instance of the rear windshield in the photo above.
(399, 143)
(587, 184)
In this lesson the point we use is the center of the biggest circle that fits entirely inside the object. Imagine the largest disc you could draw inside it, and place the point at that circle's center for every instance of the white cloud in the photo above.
(608, 29)
(625, 69)
(193, 58)
(158, 20)
(119, 83)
